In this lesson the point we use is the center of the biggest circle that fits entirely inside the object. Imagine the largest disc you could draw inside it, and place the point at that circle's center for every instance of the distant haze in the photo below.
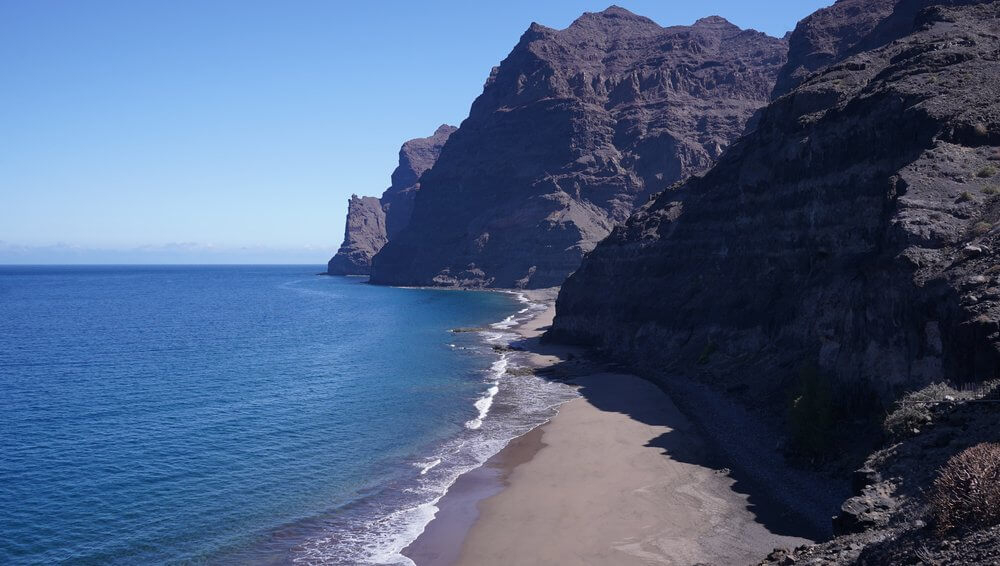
(235, 131)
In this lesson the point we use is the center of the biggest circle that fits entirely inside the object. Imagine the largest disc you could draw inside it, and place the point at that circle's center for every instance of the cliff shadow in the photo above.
(614, 388)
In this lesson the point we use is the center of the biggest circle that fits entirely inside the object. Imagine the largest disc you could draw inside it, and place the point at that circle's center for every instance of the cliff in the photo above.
(855, 228)
(573, 131)
(364, 236)
(371, 221)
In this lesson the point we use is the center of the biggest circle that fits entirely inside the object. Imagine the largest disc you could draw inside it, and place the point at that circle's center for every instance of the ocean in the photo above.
(244, 414)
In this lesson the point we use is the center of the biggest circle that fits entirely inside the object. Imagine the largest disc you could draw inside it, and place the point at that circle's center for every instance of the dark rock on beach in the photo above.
(573, 131)
(371, 221)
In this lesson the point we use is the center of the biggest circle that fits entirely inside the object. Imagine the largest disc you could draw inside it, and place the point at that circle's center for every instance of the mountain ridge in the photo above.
(573, 131)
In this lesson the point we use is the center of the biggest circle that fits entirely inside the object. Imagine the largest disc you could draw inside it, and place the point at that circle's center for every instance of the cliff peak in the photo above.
(716, 22)
(444, 129)
(612, 16)
(371, 221)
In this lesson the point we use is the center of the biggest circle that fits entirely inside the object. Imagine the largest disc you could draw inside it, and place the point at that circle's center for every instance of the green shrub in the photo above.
(981, 228)
(966, 492)
(810, 414)
(966, 196)
(987, 171)
(914, 410)
(991, 190)
(706, 353)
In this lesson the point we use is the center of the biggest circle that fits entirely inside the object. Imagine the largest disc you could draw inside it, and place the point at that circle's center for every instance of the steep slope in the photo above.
(830, 34)
(891, 519)
(855, 231)
(371, 221)
(573, 130)
(364, 236)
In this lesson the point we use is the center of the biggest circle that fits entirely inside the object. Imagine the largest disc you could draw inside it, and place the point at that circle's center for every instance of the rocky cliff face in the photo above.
(829, 35)
(364, 236)
(371, 221)
(890, 519)
(855, 230)
(573, 131)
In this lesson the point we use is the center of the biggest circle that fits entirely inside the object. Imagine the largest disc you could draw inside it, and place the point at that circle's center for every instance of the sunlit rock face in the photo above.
(573, 131)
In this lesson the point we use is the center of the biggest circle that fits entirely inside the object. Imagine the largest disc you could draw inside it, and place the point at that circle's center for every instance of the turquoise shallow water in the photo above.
(232, 415)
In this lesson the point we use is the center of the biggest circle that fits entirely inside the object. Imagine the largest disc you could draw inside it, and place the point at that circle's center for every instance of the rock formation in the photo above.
(364, 236)
(856, 229)
(573, 131)
(371, 222)
(888, 520)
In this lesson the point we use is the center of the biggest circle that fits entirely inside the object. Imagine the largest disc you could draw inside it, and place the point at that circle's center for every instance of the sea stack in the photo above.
(371, 221)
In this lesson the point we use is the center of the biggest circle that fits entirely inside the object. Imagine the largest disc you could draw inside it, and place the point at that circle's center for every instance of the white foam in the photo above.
(381, 540)
(499, 367)
(492, 336)
(483, 404)
(505, 324)
(427, 466)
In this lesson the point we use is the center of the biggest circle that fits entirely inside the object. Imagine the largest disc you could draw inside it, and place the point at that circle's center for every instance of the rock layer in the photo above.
(572, 132)
(371, 221)
(855, 230)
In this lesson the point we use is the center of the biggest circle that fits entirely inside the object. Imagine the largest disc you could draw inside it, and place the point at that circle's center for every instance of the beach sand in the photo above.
(618, 476)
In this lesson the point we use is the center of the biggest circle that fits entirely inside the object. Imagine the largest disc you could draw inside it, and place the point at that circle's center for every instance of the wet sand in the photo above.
(618, 476)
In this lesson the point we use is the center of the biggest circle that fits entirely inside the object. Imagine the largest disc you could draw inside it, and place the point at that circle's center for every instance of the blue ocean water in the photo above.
(241, 415)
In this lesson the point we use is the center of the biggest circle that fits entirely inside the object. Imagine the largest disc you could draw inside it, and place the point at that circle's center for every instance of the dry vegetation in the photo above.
(966, 493)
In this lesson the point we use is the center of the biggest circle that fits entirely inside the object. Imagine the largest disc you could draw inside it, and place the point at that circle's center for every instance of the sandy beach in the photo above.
(618, 476)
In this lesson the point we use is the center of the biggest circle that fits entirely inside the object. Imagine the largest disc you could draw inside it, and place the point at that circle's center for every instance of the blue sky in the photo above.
(234, 131)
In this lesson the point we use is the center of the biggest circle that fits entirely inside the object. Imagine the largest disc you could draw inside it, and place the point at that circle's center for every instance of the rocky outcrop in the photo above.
(829, 35)
(364, 236)
(889, 519)
(854, 230)
(573, 131)
(371, 221)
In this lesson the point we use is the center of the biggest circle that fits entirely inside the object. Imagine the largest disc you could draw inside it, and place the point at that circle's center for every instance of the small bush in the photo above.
(966, 196)
(966, 493)
(987, 171)
(707, 352)
(991, 190)
(810, 417)
(914, 410)
(981, 228)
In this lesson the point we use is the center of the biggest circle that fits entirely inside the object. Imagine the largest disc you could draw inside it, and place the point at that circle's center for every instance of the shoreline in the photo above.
(618, 475)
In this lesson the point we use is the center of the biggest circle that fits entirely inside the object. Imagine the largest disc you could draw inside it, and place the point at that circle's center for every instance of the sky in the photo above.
(234, 131)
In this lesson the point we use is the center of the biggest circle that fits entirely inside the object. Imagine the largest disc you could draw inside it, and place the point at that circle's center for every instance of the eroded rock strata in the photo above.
(371, 221)
(855, 228)
(843, 252)
(573, 131)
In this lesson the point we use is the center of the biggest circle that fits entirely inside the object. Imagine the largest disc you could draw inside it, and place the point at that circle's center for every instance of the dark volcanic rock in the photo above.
(415, 157)
(856, 229)
(828, 35)
(364, 236)
(890, 522)
(371, 222)
(573, 131)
